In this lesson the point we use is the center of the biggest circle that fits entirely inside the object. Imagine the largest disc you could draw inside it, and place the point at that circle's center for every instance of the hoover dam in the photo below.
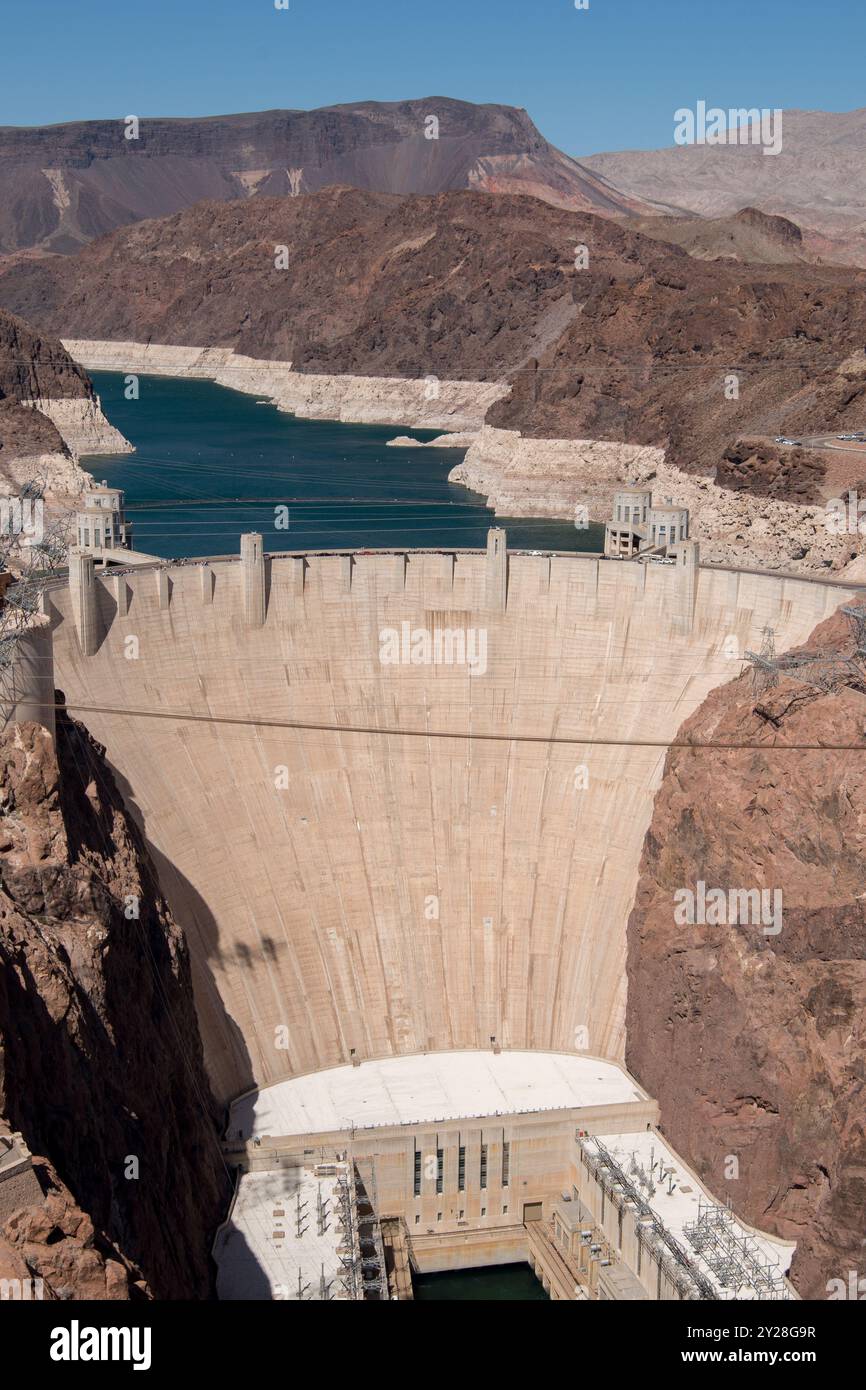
(375, 857)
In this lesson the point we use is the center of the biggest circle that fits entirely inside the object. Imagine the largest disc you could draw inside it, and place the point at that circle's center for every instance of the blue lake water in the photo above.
(211, 463)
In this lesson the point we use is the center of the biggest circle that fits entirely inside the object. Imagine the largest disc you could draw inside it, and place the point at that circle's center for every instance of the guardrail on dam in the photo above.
(350, 894)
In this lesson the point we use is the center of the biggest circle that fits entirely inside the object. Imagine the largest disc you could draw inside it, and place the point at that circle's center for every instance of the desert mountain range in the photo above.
(454, 256)
(63, 185)
(817, 181)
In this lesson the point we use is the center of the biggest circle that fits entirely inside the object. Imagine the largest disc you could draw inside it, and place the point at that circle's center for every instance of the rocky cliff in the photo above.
(49, 414)
(100, 1058)
(695, 356)
(769, 471)
(754, 1041)
(748, 522)
(36, 366)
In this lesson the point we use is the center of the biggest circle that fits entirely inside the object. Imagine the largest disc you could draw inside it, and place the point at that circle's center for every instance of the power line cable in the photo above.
(568, 740)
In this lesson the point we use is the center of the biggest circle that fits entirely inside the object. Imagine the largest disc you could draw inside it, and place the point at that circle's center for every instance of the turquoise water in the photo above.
(212, 463)
(502, 1284)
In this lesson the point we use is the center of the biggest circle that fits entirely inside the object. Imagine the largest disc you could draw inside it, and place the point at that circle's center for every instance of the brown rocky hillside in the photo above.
(33, 366)
(100, 1056)
(754, 1044)
(636, 347)
(818, 180)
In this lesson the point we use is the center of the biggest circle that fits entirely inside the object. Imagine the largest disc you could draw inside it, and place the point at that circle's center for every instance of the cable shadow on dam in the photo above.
(351, 894)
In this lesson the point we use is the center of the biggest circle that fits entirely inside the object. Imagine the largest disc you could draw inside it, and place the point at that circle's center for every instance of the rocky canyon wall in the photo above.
(49, 416)
(81, 424)
(755, 1044)
(100, 1057)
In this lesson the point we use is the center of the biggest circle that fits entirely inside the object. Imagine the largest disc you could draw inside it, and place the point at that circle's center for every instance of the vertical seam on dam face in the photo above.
(381, 894)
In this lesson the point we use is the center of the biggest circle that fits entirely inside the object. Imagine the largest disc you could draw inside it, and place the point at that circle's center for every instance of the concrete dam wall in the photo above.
(349, 894)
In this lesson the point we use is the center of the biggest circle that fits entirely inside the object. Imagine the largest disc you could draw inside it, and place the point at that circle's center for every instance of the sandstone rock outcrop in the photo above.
(100, 1057)
(525, 476)
(49, 415)
(754, 1043)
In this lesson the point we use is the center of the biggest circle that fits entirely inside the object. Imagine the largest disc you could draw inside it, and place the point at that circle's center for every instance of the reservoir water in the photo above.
(211, 463)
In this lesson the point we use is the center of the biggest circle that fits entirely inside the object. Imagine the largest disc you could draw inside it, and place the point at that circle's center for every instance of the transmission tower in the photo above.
(765, 672)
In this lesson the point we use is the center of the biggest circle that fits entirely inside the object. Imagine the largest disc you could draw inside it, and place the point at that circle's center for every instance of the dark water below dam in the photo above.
(212, 463)
(498, 1284)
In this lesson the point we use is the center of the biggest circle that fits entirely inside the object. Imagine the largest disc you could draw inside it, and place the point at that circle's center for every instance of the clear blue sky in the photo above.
(608, 78)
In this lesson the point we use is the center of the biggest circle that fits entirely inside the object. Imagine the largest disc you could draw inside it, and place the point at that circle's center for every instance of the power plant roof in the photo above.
(430, 1087)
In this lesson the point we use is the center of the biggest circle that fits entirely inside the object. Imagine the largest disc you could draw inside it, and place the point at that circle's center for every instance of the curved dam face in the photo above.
(349, 894)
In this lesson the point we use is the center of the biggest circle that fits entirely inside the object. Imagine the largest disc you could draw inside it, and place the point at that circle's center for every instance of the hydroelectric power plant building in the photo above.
(405, 887)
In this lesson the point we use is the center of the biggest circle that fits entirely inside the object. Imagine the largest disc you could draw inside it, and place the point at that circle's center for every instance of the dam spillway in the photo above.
(464, 876)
